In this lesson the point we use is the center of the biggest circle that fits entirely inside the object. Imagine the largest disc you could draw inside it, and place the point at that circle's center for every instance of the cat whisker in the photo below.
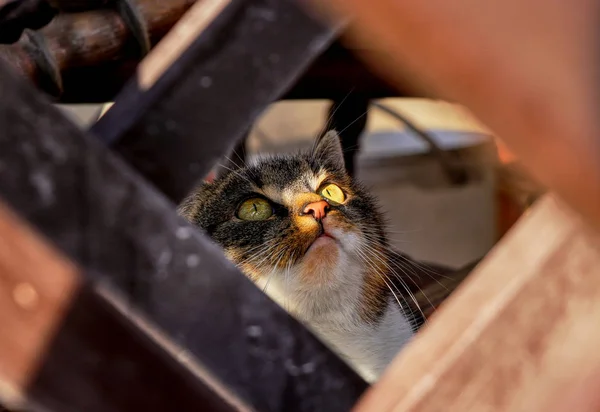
(402, 232)
(432, 273)
(354, 121)
(389, 286)
(388, 265)
(287, 278)
(391, 239)
(348, 149)
(249, 170)
(266, 253)
(325, 126)
(262, 245)
(246, 179)
(274, 270)
(240, 158)
(372, 266)
(383, 260)
(426, 269)
(418, 287)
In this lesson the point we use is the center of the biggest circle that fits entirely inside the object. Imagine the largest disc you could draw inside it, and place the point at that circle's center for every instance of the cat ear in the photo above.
(329, 150)
(188, 208)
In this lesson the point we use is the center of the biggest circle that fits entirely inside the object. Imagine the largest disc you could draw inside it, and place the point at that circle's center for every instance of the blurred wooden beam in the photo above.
(161, 118)
(36, 290)
(521, 334)
(527, 69)
(67, 344)
(332, 76)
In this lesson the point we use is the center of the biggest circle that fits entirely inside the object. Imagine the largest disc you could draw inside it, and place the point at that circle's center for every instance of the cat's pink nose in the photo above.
(317, 209)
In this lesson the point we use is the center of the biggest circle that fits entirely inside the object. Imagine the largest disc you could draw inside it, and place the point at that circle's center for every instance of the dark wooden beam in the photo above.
(332, 76)
(121, 230)
(68, 345)
(201, 88)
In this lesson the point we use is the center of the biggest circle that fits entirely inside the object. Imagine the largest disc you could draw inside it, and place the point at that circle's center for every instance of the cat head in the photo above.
(297, 225)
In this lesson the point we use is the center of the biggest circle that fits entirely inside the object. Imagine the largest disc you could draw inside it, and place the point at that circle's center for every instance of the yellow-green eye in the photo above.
(333, 193)
(255, 209)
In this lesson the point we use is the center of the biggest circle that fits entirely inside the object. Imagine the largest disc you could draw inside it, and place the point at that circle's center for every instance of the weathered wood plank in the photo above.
(65, 346)
(36, 290)
(520, 335)
(242, 56)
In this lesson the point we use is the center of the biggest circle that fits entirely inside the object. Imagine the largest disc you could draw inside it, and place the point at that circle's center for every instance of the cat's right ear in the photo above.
(329, 150)
(188, 208)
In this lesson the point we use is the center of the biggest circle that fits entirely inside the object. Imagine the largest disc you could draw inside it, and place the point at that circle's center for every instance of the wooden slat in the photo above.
(178, 40)
(520, 335)
(68, 345)
(239, 57)
(527, 69)
(36, 288)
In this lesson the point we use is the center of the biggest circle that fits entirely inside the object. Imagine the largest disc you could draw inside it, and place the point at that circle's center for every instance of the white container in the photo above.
(429, 218)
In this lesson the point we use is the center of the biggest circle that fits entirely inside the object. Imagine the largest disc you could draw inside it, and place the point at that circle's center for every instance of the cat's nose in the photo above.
(317, 209)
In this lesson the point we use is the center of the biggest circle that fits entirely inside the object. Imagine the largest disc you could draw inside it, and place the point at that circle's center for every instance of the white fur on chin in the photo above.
(332, 310)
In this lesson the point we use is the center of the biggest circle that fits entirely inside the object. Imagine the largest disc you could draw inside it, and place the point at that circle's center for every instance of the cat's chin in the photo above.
(320, 259)
(323, 241)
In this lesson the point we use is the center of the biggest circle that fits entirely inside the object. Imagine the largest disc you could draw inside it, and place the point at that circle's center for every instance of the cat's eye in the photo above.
(332, 192)
(255, 209)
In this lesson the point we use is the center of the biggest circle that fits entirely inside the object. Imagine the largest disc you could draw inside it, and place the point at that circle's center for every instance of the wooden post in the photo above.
(519, 335)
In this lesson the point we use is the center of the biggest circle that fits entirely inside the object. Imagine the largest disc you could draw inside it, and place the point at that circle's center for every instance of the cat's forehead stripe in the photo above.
(273, 192)
(287, 195)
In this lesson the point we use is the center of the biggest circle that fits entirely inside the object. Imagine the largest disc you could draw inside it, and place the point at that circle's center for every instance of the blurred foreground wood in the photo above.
(36, 289)
(65, 342)
(527, 69)
(520, 335)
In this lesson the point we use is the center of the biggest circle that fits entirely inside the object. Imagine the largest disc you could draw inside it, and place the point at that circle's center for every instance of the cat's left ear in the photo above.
(329, 150)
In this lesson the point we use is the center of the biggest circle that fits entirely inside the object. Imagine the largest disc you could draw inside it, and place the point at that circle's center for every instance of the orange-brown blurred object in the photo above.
(527, 69)
(516, 191)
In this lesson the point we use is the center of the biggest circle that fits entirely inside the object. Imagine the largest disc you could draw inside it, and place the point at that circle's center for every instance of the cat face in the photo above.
(298, 226)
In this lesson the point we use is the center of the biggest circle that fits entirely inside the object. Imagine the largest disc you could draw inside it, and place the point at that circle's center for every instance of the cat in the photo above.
(314, 240)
